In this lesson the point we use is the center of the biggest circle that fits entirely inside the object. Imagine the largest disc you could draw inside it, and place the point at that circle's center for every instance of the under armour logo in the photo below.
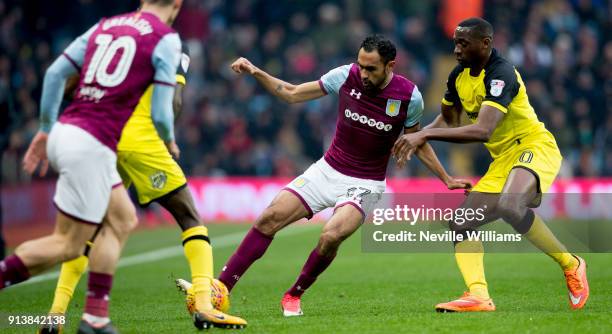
(355, 93)
(299, 288)
(236, 277)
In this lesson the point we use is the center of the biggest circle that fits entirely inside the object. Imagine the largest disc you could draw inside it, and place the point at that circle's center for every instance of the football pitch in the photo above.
(359, 293)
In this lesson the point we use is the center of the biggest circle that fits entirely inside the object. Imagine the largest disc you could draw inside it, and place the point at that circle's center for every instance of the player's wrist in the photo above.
(45, 127)
(42, 134)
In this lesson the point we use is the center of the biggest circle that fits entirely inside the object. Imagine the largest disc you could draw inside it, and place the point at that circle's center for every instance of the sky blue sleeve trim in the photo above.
(53, 91)
(165, 59)
(75, 52)
(334, 79)
(415, 108)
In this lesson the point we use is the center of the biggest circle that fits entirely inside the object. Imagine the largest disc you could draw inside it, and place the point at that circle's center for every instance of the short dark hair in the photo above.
(479, 26)
(380, 43)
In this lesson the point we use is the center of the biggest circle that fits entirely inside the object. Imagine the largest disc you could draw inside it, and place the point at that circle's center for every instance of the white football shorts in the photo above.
(87, 173)
(321, 187)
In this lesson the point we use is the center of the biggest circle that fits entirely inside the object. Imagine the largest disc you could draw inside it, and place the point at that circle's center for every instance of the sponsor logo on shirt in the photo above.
(366, 120)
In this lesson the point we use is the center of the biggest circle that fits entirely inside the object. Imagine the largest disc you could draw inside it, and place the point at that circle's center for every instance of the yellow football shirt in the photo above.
(499, 85)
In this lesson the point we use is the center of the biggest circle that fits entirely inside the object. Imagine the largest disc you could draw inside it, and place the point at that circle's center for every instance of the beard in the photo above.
(368, 85)
(371, 86)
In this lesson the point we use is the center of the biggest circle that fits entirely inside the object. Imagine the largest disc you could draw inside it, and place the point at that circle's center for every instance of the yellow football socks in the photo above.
(469, 255)
(70, 275)
(199, 255)
(541, 237)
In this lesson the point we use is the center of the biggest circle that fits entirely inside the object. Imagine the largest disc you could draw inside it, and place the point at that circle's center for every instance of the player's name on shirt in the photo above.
(136, 22)
(91, 93)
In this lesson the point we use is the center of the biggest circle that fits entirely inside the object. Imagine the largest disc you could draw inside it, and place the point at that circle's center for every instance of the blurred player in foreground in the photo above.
(118, 58)
(375, 107)
(144, 161)
(525, 163)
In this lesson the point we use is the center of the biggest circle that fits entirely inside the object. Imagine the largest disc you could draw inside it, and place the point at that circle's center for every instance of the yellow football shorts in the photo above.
(153, 175)
(537, 153)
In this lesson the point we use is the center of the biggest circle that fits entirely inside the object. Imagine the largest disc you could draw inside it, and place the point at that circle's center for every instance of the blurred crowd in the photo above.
(231, 126)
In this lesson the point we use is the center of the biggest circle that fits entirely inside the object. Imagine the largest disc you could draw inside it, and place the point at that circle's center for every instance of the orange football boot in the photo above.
(467, 303)
(577, 284)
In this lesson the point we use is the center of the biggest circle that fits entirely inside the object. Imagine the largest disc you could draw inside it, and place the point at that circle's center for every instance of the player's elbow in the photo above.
(291, 96)
(484, 133)
(59, 69)
(52, 74)
(290, 99)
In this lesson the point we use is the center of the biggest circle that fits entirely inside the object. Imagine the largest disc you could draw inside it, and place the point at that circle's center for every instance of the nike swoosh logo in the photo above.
(575, 300)
(463, 301)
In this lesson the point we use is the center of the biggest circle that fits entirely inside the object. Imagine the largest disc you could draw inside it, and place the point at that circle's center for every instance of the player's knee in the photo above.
(124, 222)
(71, 250)
(331, 239)
(181, 207)
(329, 243)
(270, 221)
(187, 216)
(510, 208)
(131, 222)
(67, 245)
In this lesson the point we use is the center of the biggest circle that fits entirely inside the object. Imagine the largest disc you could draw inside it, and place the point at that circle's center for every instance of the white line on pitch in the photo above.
(223, 241)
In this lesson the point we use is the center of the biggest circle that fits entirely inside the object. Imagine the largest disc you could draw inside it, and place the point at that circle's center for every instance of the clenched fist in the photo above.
(244, 65)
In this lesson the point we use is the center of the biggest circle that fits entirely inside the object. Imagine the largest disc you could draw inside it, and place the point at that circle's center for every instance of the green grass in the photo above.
(359, 293)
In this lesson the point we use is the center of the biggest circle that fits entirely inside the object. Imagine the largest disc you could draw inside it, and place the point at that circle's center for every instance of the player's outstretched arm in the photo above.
(428, 157)
(287, 92)
(481, 131)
